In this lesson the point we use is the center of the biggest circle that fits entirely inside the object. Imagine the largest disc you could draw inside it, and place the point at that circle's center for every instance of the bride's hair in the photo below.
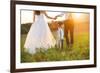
(37, 12)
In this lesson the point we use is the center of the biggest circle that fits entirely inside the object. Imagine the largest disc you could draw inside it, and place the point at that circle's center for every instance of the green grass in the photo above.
(79, 51)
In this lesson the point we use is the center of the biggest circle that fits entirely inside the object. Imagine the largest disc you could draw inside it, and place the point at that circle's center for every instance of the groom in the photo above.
(69, 30)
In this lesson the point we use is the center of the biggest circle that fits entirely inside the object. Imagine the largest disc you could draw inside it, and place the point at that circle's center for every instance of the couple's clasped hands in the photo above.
(57, 16)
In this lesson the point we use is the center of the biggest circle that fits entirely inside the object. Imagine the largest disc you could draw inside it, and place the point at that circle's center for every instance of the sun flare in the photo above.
(77, 15)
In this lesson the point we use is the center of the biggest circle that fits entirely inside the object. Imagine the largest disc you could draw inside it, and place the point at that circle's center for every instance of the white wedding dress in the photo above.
(39, 35)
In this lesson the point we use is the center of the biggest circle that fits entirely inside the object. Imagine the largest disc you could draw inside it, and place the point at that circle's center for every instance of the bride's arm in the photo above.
(48, 16)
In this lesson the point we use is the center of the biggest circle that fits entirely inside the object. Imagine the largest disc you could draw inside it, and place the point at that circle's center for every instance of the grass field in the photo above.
(79, 51)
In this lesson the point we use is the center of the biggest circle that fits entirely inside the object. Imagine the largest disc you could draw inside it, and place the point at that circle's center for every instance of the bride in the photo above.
(39, 35)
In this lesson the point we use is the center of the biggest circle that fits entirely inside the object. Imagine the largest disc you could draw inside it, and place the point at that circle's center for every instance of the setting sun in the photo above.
(77, 15)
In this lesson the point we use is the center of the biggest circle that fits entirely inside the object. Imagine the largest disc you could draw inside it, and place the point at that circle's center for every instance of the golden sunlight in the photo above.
(77, 15)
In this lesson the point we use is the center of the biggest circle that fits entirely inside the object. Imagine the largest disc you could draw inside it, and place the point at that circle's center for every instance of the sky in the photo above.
(27, 16)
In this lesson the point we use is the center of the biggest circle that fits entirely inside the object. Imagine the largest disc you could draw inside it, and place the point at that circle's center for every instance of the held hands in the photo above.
(55, 18)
